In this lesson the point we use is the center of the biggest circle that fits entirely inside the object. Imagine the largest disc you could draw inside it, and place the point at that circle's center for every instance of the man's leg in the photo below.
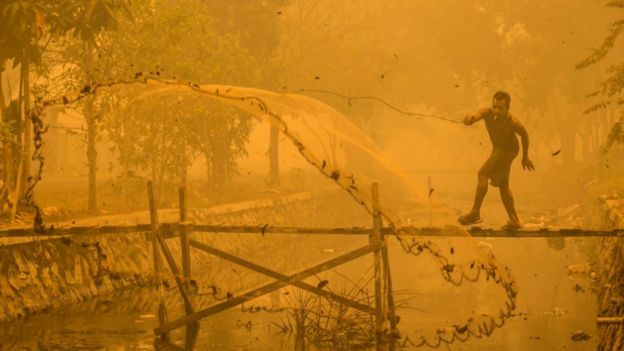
(474, 215)
(508, 202)
(482, 188)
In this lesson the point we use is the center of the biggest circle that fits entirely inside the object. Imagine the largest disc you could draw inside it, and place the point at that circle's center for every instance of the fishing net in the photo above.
(340, 151)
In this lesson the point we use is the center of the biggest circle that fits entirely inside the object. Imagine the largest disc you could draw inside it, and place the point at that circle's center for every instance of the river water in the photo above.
(552, 305)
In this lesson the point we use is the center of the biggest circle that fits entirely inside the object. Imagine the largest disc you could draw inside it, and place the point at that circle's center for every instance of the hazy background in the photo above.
(445, 58)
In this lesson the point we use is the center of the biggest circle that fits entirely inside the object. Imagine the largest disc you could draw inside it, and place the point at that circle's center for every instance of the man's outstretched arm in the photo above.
(474, 118)
(524, 137)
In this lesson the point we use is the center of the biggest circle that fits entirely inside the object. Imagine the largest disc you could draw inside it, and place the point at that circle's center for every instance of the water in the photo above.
(551, 306)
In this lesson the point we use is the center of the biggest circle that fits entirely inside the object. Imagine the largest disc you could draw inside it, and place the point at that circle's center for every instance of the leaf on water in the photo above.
(580, 335)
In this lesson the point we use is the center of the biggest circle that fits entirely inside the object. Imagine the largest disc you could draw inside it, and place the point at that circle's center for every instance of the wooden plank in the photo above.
(176, 274)
(388, 275)
(376, 237)
(78, 230)
(184, 242)
(280, 276)
(153, 227)
(268, 288)
(609, 320)
(168, 230)
(162, 308)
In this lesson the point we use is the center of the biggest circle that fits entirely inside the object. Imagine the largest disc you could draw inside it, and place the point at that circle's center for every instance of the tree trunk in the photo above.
(91, 121)
(208, 158)
(7, 156)
(219, 161)
(91, 155)
(274, 178)
(26, 120)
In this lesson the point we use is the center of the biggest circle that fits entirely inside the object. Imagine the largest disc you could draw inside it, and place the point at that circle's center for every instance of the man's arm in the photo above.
(524, 137)
(474, 118)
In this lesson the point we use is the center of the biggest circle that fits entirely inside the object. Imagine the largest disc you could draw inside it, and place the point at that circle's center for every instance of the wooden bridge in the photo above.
(383, 309)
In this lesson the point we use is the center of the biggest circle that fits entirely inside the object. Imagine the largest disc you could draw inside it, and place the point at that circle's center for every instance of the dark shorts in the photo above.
(497, 166)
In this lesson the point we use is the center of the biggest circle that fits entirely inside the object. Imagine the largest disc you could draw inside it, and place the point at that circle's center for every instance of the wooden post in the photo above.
(380, 281)
(162, 310)
(429, 194)
(394, 332)
(184, 243)
(154, 228)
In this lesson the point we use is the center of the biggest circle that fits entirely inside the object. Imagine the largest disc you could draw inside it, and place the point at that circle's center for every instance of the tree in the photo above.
(611, 88)
(249, 18)
(31, 27)
(193, 49)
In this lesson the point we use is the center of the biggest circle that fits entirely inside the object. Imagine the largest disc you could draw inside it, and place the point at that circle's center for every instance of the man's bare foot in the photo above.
(512, 225)
(470, 218)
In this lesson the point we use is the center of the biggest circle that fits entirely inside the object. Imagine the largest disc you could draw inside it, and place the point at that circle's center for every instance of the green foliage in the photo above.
(599, 106)
(614, 84)
(598, 54)
(31, 24)
(616, 3)
(616, 135)
(157, 135)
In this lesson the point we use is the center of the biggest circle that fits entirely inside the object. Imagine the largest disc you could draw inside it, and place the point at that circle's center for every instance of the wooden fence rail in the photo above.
(173, 229)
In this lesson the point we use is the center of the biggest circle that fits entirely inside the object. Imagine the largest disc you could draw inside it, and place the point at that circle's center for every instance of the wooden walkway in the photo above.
(171, 230)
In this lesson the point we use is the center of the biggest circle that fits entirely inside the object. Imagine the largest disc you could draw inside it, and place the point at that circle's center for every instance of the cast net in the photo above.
(342, 152)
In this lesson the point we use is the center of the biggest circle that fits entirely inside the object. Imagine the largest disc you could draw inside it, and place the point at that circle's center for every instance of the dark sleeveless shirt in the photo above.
(501, 132)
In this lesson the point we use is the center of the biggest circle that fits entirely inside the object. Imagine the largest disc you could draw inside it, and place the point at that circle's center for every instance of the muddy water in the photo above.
(552, 304)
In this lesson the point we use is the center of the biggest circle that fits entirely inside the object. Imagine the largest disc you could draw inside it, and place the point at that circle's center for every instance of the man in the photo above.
(502, 128)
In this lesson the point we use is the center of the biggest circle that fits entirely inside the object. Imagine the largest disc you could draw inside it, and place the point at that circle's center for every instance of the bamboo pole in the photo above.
(380, 280)
(192, 329)
(184, 241)
(162, 310)
(388, 275)
(156, 259)
(169, 230)
(176, 274)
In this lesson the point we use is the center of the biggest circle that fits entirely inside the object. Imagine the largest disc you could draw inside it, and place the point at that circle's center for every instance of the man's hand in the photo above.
(527, 164)
(468, 120)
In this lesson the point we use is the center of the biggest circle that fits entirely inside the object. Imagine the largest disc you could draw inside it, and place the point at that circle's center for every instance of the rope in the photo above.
(387, 104)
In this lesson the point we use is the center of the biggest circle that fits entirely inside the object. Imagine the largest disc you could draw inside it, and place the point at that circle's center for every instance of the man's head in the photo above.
(500, 103)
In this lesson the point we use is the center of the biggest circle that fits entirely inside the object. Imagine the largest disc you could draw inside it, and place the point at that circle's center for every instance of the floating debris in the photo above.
(580, 335)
